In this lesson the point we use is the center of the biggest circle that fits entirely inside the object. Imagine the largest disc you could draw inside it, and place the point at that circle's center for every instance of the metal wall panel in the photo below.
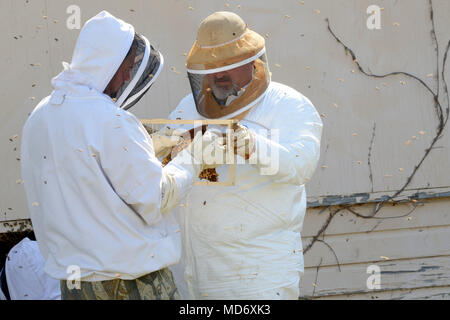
(376, 130)
(408, 244)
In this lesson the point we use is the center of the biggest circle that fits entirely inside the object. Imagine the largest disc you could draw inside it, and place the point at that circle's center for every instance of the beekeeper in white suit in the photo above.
(98, 197)
(23, 276)
(243, 241)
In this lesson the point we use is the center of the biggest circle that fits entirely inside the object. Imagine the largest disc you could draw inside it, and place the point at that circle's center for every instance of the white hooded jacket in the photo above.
(25, 276)
(92, 181)
(244, 241)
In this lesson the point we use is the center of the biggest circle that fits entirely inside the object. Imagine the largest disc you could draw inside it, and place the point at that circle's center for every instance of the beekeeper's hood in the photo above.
(101, 48)
(225, 43)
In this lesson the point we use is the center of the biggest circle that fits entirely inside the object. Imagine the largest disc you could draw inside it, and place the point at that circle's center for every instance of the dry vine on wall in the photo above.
(442, 117)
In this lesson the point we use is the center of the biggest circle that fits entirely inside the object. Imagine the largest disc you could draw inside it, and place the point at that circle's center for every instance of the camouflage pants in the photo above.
(158, 285)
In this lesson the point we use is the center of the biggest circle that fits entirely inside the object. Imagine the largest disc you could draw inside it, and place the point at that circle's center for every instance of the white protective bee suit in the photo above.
(244, 241)
(95, 190)
(24, 274)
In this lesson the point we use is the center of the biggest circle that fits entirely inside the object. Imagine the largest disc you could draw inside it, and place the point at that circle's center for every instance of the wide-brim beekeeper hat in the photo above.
(225, 42)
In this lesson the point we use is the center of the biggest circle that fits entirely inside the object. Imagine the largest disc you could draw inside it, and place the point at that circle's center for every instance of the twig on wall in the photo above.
(332, 250)
(442, 117)
(442, 121)
(322, 229)
(370, 155)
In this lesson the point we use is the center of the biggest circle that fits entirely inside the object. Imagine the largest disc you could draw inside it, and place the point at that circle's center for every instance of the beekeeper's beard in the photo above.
(222, 93)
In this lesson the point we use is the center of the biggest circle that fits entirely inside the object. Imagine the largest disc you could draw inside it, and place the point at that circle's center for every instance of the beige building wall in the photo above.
(379, 134)
(409, 244)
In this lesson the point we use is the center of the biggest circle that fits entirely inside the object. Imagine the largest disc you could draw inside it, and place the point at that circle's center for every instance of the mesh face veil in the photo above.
(227, 67)
(227, 92)
(146, 68)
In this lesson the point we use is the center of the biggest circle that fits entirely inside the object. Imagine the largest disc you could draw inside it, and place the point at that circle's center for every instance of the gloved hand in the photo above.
(186, 158)
(178, 174)
(164, 140)
(244, 141)
(205, 151)
(214, 149)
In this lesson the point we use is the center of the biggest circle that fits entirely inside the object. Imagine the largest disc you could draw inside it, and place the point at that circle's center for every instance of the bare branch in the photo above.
(332, 250)
(322, 230)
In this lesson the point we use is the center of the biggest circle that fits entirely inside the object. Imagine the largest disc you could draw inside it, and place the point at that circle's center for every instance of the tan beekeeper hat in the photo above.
(225, 43)
(223, 39)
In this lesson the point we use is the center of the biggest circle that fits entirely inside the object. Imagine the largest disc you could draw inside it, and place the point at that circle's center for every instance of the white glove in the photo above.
(164, 140)
(207, 151)
(178, 174)
(186, 158)
(214, 149)
(244, 141)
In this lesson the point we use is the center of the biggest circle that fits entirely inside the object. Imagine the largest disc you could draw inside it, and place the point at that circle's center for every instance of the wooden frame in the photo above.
(230, 155)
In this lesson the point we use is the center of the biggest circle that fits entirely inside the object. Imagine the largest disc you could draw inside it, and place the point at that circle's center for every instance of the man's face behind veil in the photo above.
(226, 83)
(122, 75)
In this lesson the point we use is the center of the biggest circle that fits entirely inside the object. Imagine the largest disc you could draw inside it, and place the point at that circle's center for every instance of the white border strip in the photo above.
(232, 66)
(137, 95)
(225, 43)
(137, 76)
